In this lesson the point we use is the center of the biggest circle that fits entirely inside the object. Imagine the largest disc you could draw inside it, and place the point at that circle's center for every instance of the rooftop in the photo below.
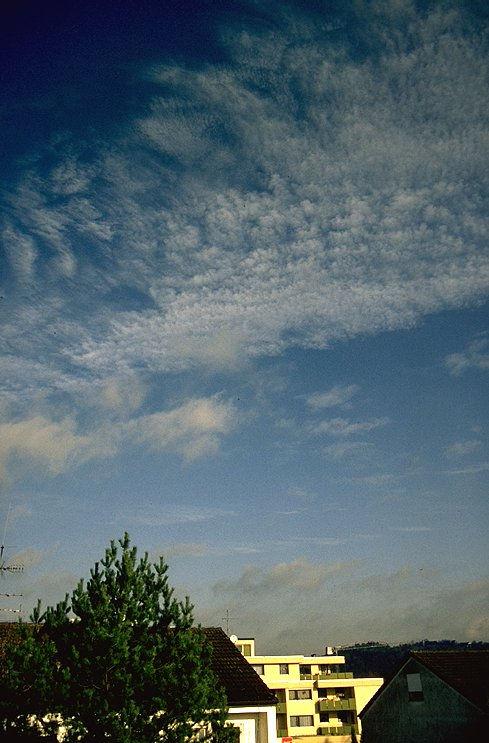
(466, 671)
(241, 683)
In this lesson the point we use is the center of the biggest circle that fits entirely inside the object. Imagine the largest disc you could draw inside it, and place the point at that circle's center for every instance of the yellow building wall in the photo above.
(281, 683)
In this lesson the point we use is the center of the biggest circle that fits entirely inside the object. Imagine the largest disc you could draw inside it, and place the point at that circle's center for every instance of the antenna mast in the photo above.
(227, 619)
(6, 567)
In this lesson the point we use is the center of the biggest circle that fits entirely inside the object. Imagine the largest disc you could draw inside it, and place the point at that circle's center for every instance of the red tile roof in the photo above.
(466, 671)
(242, 684)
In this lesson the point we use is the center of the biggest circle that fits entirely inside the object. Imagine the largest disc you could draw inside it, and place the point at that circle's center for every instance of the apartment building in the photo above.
(317, 696)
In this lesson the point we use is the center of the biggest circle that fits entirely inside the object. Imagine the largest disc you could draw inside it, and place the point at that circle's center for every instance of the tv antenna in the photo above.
(227, 619)
(7, 567)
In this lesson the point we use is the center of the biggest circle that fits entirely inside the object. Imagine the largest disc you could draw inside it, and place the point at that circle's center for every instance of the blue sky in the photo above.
(244, 308)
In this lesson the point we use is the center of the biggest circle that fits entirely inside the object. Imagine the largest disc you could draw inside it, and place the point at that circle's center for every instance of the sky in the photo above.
(244, 304)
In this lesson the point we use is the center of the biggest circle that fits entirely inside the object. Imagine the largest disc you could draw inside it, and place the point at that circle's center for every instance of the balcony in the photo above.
(338, 729)
(305, 676)
(281, 708)
(329, 705)
(282, 733)
(334, 675)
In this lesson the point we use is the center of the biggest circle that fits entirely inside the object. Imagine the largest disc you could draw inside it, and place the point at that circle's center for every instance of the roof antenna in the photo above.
(6, 567)
(227, 619)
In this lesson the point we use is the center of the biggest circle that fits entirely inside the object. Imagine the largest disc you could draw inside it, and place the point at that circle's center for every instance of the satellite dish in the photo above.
(234, 639)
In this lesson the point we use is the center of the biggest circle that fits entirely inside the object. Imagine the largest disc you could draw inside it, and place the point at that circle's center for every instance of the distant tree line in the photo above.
(379, 659)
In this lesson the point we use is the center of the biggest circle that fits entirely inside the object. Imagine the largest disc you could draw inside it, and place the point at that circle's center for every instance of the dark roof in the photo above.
(242, 684)
(466, 671)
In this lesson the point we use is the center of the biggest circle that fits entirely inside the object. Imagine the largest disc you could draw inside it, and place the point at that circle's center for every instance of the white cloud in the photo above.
(22, 253)
(475, 356)
(471, 469)
(173, 513)
(344, 449)
(53, 445)
(202, 549)
(123, 395)
(461, 448)
(344, 427)
(410, 603)
(27, 558)
(298, 575)
(382, 478)
(193, 429)
(272, 229)
(333, 397)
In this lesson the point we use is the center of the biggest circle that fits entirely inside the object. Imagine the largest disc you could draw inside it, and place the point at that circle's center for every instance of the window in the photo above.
(300, 694)
(246, 650)
(301, 721)
(280, 694)
(259, 669)
(415, 690)
(283, 668)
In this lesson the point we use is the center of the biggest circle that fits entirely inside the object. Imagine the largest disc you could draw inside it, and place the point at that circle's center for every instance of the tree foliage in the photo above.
(119, 661)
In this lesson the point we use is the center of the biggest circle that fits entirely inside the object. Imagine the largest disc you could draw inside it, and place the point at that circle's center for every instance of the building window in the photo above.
(246, 650)
(283, 668)
(301, 721)
(300, 694)
(415, 690)
(259, 669)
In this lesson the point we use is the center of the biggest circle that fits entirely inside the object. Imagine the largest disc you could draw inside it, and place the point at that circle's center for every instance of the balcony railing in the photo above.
(334, 675)
(281, 708)
(337, 729)
(282, 733)
(328, 705)
(305, 676)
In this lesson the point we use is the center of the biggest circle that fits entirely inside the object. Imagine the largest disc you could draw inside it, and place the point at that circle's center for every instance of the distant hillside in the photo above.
(377, 659)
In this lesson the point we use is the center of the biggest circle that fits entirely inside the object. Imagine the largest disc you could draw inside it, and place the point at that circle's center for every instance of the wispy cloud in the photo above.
(297, 575)
(227, 226)
(52, 445)
(345, 449)
(203, 549)
(192, 429)
(471, 469)
(474, 356)
(174, 513)
(343, 427)
(334, 397)
(461, 448)
(412, 602)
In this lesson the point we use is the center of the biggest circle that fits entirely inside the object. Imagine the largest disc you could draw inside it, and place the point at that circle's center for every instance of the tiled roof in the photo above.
(242, 684)
(466, 671)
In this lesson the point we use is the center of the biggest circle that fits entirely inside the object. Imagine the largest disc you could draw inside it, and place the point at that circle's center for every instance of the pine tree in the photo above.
(120, 661)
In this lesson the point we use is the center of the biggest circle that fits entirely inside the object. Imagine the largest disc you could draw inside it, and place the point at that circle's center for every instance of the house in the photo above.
(317, 697)
(252, 705)
(433, 697)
